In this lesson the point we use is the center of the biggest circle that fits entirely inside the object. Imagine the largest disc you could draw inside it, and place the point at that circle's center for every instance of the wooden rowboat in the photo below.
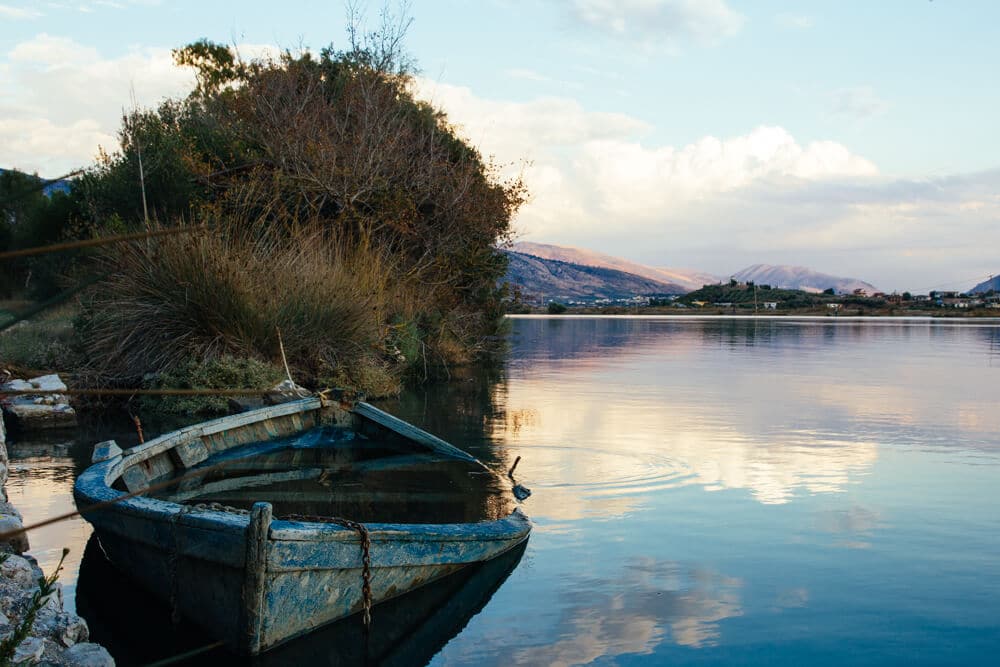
(258, 561)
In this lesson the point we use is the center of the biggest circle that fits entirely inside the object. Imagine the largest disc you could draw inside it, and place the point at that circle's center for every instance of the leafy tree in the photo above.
(556, 308)
(337, 142)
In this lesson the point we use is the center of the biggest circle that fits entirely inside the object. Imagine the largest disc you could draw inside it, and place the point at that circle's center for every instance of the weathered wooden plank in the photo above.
(255, 569)
(410, 432)
(302, 601)
(190, 453)
(304, 556)
(254, 416)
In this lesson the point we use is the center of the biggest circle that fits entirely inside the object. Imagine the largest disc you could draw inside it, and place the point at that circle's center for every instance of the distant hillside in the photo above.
(987, 285)
(801, 278)
(686, 279)
(548, 279)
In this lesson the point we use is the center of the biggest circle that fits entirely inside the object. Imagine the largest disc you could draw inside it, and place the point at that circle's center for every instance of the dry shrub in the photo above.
(229, 291)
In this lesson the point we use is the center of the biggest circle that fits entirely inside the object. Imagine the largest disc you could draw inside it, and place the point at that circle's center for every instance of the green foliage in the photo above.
(743, 297)
(43, 345)
(336, 144)
(829, 291)
(30, 218)
(216, 65)
(224, 372)
(556, 308)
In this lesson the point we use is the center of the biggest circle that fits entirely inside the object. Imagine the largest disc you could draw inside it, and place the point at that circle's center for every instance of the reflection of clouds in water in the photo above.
(38, 488)
(791, 598)
(773, 470)
(854, 525)
(650, 447)
(651, 602)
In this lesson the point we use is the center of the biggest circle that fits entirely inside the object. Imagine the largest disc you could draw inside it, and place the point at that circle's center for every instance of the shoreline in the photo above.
(987, 319)
(56, 636)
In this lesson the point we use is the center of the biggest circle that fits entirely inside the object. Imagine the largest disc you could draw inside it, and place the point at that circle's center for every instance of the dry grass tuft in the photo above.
(171, 300)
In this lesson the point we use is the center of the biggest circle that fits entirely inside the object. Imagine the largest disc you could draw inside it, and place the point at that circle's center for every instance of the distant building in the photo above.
(770, 305)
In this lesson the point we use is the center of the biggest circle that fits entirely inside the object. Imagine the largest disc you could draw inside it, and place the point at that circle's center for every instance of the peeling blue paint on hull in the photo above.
(256, 582)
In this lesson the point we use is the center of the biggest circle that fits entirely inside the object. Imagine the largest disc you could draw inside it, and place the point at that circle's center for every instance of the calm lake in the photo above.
(704, 491)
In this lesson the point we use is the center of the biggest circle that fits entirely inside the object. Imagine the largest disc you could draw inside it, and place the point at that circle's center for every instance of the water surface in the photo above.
(742, 491)
(724, 490)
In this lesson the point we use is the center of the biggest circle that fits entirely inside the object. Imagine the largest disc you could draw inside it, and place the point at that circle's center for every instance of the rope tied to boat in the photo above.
(366, 560)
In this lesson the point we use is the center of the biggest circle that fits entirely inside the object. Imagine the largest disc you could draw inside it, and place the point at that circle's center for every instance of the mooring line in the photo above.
(103, 240)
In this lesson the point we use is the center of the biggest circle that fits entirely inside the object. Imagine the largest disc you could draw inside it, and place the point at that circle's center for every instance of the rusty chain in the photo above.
(366, 561)
(359, 528)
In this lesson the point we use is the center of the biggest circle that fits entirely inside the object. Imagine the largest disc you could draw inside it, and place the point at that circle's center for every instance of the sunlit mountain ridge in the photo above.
(534, 271)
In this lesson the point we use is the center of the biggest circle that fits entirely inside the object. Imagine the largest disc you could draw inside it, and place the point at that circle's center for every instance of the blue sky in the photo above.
(855, 137)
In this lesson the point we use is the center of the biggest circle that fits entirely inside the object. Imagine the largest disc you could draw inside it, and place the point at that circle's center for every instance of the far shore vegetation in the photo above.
(746, 298)
(330, 218)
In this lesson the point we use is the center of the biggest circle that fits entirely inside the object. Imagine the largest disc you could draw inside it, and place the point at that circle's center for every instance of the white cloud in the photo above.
(587, 167)
(10, 12)
(659, 23)
(859, 103)
(722, 203)
(52, 51)
(63, 99)
(39, 145)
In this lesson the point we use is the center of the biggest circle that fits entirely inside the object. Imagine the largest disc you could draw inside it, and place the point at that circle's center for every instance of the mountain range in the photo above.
(550, 279)
(992, 284)
(799, 277)
(687, 279)
(546, 272)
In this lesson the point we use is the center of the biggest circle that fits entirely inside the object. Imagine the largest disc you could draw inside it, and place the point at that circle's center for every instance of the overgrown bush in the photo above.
(224, 372)
(232, 291)
(43, 344)
(344, 212)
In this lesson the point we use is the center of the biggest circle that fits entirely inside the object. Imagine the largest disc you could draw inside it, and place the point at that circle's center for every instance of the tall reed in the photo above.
(229, 291)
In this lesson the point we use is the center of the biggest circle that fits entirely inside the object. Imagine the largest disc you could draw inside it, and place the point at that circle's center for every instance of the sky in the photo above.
(856, 138)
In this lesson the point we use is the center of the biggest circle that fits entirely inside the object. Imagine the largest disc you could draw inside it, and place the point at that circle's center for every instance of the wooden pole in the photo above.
(254, 576)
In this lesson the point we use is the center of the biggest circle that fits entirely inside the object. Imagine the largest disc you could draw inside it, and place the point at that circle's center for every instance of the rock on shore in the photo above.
(30, 412)
(57, 637)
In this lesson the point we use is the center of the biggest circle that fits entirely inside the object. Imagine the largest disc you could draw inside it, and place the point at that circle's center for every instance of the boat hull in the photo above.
(255, 582)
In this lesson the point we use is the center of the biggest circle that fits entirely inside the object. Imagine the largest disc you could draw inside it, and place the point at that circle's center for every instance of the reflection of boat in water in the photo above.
(256, 574)
(408, 630)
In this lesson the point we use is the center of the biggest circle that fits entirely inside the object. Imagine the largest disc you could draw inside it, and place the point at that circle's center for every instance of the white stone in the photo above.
(73, 630)
(18, 385)
(48, 383)
(19, 543)
(29, 651)
(88, 655)
(53, 602)
(287, 391)
(20, 571)
(30, 416)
